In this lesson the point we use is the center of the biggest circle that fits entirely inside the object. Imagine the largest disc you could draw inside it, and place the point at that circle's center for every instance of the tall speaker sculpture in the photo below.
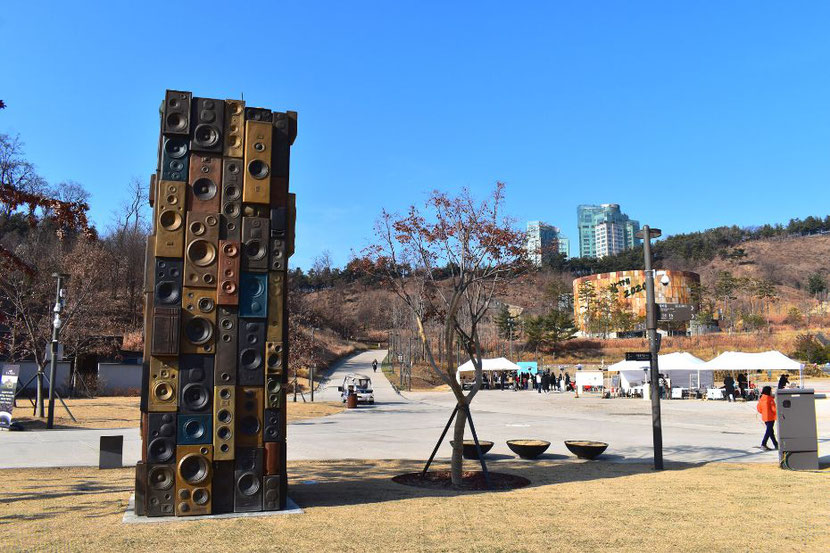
(215, 322)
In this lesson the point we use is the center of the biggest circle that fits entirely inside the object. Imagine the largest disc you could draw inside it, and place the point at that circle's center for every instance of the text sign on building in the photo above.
(675, 311)
(638, 356)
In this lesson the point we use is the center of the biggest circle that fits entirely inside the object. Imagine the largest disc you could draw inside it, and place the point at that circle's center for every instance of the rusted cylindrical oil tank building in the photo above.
(629, 287)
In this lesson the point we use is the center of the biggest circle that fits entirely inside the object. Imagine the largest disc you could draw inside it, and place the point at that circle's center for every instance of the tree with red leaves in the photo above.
(446, 261)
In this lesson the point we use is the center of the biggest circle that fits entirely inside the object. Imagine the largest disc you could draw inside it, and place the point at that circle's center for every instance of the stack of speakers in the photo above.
(213, 405)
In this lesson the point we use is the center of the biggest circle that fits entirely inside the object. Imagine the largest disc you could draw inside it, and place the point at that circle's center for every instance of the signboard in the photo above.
(528, 366)
(8, 384)
(638, 356)
(677, 312)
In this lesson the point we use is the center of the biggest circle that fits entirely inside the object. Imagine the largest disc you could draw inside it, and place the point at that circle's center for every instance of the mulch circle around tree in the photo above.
(473, 480)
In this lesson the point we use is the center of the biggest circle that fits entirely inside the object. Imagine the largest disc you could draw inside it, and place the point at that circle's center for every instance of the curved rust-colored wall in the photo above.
(630, 289)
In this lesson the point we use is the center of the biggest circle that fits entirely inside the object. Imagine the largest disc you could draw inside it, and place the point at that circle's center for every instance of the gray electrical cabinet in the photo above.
(797, 436)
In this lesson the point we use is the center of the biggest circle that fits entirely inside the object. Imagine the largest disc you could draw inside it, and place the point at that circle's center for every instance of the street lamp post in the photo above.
(646, 234)
(56, 328)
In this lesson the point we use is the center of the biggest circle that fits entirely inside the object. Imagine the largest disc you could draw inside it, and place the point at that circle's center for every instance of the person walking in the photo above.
(766, 407)
(538, 382)
(783, 381)
(567, 382)
(729, 387)
(375, 365)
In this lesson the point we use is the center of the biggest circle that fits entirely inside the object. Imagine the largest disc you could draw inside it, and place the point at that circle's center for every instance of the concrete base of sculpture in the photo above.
(130, 517)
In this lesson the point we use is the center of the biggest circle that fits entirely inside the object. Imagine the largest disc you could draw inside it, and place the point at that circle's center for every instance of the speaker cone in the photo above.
(167, 293)
(161, 449)
(201, 252)
(194, 429)
(248, 484)
(229, 287)
(274, 385)
(195, 396)
(194, 468)
(201, 496)
(258, 169)
(250, 359)
(163, 391)
(206, 305)
(255, 249)
(175, 147)
(198, 330)
(176, 122)
(226, 323)
(224, 433)
(231, 210)
(161, 478)
(204, 189)
(224, 416)
(249, 425)
(206, 136)
(170, 220)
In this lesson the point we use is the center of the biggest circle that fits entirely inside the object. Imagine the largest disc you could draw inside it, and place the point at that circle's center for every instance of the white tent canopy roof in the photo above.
(744, 362)
(677, 361)
(497, 364)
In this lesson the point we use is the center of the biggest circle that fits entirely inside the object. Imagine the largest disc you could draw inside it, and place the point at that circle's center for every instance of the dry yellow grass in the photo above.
(354, 506)
(123, 412)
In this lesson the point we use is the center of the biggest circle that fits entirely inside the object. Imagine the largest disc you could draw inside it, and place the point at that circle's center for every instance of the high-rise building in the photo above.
(543, 240)
(605, 230)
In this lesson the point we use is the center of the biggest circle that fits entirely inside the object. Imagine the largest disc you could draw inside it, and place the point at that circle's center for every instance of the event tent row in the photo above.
(682, 368)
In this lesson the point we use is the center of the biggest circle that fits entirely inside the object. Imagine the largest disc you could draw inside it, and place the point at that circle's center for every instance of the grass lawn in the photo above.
(354, 506)
(123, 412)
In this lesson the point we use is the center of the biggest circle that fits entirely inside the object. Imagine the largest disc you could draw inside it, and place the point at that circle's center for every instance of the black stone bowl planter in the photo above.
(528, 449)
(468, 449)
(586, 449)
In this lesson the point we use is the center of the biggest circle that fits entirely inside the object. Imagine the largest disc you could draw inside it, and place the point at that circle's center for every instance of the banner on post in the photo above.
(8, 385)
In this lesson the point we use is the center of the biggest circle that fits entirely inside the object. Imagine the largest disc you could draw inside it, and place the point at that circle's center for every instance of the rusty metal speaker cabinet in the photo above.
(257, 181)
(251, 368)
(234, 128)
(176, 113)
(175, 159)
(227, 327)
(209, 124)
(160, 439)
(229, 261)
(201, 250)
(248, 488)
(255, 244)
(203, 183)
(170, 219)
(194, 472)
(231, 226)
(213, 409)
(249, 416)
(224, 407)
(164, 384)
(168, 282)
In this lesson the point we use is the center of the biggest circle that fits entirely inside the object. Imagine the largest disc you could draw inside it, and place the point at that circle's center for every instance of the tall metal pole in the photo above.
(56, 327)
(651, 330)
(313, 362)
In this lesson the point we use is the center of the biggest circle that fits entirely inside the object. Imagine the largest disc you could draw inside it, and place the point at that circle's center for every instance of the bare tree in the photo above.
(446, 261)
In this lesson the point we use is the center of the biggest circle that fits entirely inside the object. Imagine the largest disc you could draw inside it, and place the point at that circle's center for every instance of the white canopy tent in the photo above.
(749, 362)
(678, 366)
(487, 365)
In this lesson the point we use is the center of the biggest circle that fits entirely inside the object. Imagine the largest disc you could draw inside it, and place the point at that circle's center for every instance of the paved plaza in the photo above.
(407, 425)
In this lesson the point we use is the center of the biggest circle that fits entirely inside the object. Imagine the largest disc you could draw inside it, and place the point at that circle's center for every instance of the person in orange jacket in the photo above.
(766, 406)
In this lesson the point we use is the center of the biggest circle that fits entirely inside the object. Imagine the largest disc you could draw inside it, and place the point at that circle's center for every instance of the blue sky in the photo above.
(690, 115)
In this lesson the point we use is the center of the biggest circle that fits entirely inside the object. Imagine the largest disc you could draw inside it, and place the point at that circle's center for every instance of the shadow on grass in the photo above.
(342, 483)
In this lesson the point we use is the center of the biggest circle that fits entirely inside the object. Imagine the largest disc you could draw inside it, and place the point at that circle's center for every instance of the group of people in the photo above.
(543, 381)
(745, 390)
